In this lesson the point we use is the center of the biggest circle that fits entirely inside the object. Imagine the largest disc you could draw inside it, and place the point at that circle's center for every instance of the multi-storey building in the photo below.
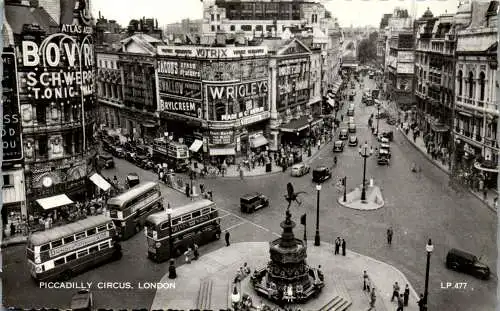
(399, 59)
(53, 48)
(476, 86)
(434, 70)
(259, 17)
(127, 88)
(382, 39)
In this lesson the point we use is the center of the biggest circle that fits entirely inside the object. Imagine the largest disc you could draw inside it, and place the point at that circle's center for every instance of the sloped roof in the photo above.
(19, 15)
(144, 40)
(479, 10)
(275, 44)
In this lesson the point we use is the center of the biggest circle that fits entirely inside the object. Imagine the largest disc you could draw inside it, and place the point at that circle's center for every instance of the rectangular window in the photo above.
(8, 180)
(212, 27)
(212, 17)
(232, 28)
(218, 17)
(82, 253)
(91, 231)
(258, 28)
(101, 228)
(110, 226)
(176, 221)
(69, 239)
(246, 27)
(44, 247)
(93, 249)
(218, 27)
(196, 214)
(206, 211)
(185, 218)
(70, 257)
(104, 245)
(80, 236)
(59, 262)
(56, 243)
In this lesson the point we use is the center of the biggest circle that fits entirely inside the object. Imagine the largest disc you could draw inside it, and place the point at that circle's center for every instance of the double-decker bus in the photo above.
(62, 252)
(175, 154)
(197, 222)
(130, 209)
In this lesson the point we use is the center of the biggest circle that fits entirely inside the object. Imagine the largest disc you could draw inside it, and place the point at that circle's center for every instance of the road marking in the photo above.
(225, 215)
(234, 226)
(245, 220)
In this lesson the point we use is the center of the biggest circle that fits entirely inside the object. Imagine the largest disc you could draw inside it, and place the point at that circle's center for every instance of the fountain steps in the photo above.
(341, 301)
(204, 299)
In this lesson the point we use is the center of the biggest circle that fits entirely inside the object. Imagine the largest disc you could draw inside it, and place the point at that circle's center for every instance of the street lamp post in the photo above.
(345, 189)
(170, 245)
(316, 237)
(378, 116)
(364, 152)
(429, 248)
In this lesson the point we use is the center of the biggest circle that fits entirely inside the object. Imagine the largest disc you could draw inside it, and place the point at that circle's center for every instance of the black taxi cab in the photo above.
(251, 202)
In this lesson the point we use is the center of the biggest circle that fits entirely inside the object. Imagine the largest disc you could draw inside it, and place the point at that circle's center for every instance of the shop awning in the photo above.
(149, 125)
(196, 145)
(440, 128)
(331, 102)
(465, 114)
(487, 168)
(258, 141)
(100, 182)
(221, 151)
(299, 125)
(54, 202)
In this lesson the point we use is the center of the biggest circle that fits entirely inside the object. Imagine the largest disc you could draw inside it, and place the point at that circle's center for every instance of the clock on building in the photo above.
(47, 181)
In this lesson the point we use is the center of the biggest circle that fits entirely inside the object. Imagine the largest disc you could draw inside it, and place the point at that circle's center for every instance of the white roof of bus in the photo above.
(160, 217)
(56, 233)
(132, 192)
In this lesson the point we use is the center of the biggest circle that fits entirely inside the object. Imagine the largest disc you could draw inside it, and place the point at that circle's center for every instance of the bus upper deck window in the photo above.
(91, 231)
(196, 214)
(80, 236)
(69, 239)
(44, 247)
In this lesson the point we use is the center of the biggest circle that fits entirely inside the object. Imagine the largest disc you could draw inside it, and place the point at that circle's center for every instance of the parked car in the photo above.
(107, 160)
(383, 158)
(142, 161)
(388, 135)
(130, 156)
(350, 112)
(300, 169)
(343, 134)
(321, 174)
(133, 180)
(142, 150)
(118, 152)
(383, 139)
(350, 120)
(251, 202)
(351, 128)
(338, 146)
(82, 301)
(462, 261)
(353, 141)
(386, 148)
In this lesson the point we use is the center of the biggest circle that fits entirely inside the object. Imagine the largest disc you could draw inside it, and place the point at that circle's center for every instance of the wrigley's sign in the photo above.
(209, 52)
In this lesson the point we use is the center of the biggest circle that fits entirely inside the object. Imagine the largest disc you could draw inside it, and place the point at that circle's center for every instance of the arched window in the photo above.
(460, 82)
(482, 78)
(471, 85)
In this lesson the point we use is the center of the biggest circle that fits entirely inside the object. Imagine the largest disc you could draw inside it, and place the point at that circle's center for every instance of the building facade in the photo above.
(55, 72)
(434, 70)
(476, 87)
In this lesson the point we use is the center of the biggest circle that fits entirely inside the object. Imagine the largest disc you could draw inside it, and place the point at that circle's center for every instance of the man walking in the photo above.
(395, 291)
(343, 247)
(373, 298)
(390, 232)
(400, 303)
(227, 238)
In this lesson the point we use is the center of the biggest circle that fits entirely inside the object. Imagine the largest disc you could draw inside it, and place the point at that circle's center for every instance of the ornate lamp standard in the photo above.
(170, 244)
(429, 248)
(316, 237)
(378, 116)
(364, 152)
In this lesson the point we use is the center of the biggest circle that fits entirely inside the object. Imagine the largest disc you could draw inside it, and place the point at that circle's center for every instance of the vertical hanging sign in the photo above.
(11, 121)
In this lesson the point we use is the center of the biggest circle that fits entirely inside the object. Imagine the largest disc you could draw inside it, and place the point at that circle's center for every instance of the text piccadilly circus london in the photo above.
(72, 81)
(109, 285)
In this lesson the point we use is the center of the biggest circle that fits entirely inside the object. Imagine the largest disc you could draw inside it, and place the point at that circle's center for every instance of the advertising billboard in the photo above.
(181, 88)
(240, 70)
(11, 124)
(245, 90)
(179, 68)
(212, 52)
(189, 108)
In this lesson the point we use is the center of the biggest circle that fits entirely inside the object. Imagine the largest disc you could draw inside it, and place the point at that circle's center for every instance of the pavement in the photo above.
(419, 144)
(13, 240)
(374, 199)
(218, 269)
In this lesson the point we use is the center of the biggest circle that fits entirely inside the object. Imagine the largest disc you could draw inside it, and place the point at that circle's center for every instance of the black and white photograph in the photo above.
(249, 155)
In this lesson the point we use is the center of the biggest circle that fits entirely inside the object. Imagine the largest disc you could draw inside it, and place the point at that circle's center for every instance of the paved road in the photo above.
(418, 207)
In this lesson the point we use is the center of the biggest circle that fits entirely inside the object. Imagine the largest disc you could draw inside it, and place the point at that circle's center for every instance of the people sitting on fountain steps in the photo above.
(289, 293)
(235, 298)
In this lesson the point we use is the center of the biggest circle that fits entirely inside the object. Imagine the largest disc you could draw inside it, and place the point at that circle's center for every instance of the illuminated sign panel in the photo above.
(212, 52)
(11, 124)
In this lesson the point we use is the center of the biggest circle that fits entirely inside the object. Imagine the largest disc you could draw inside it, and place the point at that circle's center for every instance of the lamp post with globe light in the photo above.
(429, 248)
(316, 237)
(364, 151)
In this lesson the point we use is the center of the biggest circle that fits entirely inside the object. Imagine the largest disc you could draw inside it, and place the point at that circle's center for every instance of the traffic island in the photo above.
(374, 199)
(208, 283)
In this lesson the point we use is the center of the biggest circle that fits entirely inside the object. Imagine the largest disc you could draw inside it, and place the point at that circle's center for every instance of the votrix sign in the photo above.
(11, 129)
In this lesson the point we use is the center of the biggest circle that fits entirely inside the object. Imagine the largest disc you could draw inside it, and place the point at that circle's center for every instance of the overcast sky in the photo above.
(355, 12)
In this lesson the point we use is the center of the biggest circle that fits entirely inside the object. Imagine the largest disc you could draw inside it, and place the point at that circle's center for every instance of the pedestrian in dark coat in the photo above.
(390, 232)
(187, 190)
(406, 295)
(421, 304)
(337, 245)
(226, 236)
(195, 252)
(12, 229)
(172, 274)
(343, 247)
